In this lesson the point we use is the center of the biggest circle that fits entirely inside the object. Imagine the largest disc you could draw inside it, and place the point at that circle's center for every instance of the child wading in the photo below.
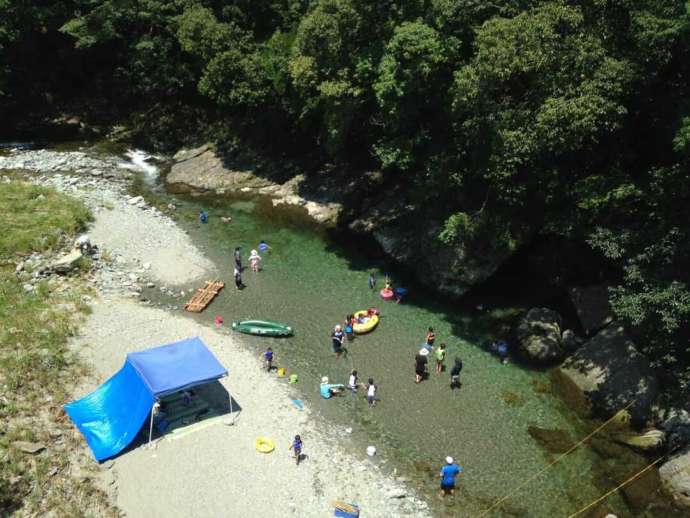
(440, 357)
(371, 392)
(455, 374)
(268, 359)
(297, 447)
(352, 383)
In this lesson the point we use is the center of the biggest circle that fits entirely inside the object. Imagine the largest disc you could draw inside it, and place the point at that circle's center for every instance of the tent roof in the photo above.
(176, 366)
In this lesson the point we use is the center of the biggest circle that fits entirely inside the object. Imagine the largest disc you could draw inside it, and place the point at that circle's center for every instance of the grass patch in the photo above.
(34, 218)
(37, 369)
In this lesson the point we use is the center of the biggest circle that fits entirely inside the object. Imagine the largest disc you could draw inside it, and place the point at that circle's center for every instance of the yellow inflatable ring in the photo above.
(367, 326)
(264, 445)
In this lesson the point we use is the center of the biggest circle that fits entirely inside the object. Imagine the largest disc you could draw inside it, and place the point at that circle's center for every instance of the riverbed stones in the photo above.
(675, 477)
(67, 263)
(539, 336)
(609, 372)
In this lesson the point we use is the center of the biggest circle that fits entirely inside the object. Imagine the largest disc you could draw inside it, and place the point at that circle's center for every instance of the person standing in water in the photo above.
(448, 474)
(371, 392)
(238, 258)
(254, 260)
(203, 217)
(372, 281)
(420, 362)
(338, 338)
(440, 358)
(455, 374)
(238, 278)
(430, 337)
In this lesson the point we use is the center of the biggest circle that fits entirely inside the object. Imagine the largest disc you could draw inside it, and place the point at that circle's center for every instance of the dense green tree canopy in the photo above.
(511, 119)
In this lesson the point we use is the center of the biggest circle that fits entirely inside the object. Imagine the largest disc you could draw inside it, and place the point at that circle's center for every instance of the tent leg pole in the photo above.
(151, 425)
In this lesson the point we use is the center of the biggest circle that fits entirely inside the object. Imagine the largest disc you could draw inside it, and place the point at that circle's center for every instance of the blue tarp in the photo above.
(112, 415)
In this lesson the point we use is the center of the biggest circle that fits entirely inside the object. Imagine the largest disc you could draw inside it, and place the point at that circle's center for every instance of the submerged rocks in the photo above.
(539, 336)
(675, 477)
(609, 373)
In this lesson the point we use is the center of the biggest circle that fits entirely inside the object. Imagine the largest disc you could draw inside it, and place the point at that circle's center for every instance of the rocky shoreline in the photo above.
(129, 236)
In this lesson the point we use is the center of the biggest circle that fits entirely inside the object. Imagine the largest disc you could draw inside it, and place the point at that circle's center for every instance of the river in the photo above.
(311, 281)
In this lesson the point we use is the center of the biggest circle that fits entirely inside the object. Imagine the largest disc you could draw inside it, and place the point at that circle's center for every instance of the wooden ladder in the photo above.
(204, 296)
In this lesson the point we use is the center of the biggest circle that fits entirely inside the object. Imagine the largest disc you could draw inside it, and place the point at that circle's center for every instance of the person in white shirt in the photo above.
(352, 384)
(371, 392)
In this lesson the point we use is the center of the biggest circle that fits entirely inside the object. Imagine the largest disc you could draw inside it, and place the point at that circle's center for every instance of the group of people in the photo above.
(254, 262)
(328, 389)
(421, 361)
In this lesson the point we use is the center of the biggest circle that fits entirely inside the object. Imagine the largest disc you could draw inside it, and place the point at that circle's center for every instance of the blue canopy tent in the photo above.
(110, 417)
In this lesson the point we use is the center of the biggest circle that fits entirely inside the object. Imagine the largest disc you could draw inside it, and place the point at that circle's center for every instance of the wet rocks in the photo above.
(539, 336)
(609, 372)
(675, 477)
(201, 168)
(649, 441)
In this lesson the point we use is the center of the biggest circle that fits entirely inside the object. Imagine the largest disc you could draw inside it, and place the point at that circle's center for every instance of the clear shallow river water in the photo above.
(312, 282)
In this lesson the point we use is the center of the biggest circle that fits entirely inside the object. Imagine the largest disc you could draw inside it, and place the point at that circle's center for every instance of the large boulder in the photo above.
(203, 169)
(609, 373)
(675, 477)
(539, 336)
(592, 306)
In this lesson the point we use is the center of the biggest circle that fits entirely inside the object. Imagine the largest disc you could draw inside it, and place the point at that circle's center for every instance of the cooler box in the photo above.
(353, 513)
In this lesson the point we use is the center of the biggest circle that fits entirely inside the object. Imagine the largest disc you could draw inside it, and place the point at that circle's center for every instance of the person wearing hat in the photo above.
(448, 474)
(327, 390)
(420, 363)
(337, 338)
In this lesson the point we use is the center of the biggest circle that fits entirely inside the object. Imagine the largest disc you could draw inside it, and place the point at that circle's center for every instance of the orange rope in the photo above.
(558, 459)
(615, 488)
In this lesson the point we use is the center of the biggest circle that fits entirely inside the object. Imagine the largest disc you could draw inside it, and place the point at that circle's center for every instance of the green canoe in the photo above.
(262, 328)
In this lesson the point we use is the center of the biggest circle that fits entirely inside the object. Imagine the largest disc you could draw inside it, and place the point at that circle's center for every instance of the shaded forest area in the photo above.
(513, 118)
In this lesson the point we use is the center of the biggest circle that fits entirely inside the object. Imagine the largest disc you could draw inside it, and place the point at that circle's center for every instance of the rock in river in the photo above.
(675, 476)
(609, 373)
(539, 336)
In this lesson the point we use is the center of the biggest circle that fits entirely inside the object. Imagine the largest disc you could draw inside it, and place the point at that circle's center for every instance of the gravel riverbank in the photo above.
(213, 470)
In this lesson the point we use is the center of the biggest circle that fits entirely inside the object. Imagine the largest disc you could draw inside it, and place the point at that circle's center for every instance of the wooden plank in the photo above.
(204, 296)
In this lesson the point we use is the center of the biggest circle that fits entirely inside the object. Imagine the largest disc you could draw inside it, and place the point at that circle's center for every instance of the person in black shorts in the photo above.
(337, 338)
(420, 363)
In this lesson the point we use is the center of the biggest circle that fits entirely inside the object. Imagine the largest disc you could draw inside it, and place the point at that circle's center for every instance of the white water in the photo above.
(139, 162)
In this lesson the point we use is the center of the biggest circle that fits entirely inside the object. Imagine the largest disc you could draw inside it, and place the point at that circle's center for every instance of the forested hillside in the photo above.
(512, 118)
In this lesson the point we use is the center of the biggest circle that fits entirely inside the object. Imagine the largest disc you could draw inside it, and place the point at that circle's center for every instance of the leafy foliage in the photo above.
(561, 117)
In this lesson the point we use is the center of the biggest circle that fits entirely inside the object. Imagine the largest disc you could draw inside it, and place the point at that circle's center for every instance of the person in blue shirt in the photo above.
(501, 348)
(448, 474)
(203, 217)
(328, 390)
(268, 359)
(263, 246)
(297, 447)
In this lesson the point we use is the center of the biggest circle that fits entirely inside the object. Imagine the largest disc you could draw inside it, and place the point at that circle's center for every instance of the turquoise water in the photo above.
(311, 282)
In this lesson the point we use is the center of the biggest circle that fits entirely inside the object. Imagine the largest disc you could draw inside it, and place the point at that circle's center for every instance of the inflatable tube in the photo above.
(264, 445)
(386, 294)
(367, 326)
